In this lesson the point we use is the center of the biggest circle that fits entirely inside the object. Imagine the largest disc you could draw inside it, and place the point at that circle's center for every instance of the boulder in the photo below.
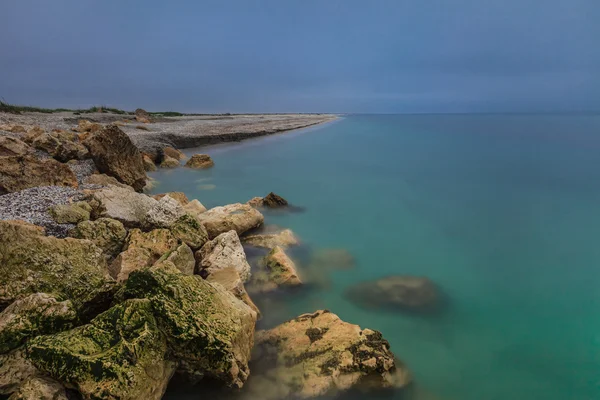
(179, 196)
(277, 270)
(190, 231)
(142, 116)
(398, 292)
(88, 126)
(209, 331)
(105, 180)
(121, 204)
(238, 217)
(319, 354)
(69, 269)
(40, 388)
(68, 213)
(283, 239)
(194, 207)
(338, 259)
(169, 162)
(143, 249)
(149, 165)
(106, 233)
(230, 279)
(60, 146)
(173, 153)
(22, 172)
(34, 315)
(200, 161)
(273, 200)
(164, 213)
(46, 142)
(32, 133)
(255, 202)
(120, 354)
(222, 252)
(181, 258)
(10, 146)
(15, 370)
(115, 154)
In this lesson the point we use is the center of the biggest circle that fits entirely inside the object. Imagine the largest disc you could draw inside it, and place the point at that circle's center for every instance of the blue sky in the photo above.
(303, 55)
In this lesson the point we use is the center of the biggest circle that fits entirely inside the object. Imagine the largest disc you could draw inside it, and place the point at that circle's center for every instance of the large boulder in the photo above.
(106, 233)
(319, 354)
(164, 213)
(190, 231)
(397, 292)
(121, 204)
(222, 252)
(238, 217)
(10, 146)
(40, 388)
(115, 154)
(34, 315)
(22, 172)
(200, 161)
(277, 270)
(69, 269)
(209, 331)
(230, 279)
(120, 354)
(283, 239)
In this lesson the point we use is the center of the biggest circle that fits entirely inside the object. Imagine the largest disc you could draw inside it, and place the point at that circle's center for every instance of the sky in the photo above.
(344, 56)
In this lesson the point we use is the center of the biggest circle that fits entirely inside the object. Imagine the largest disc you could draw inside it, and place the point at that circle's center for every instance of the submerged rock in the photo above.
(122, 204)
(222, 252)
(106, 233)
(237, 217)
(120, 354)
(169, 162)
(200, 161)
(401, 292)
(22, 172)
(276, 270)
(149, 164)
(339, 259)
(319, 354)
(283, 239)
(115, 154)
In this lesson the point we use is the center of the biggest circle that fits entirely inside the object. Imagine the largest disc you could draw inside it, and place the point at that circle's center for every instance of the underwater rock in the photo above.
(200, 161)
(283, 239)
(276, 270)
(338, 259)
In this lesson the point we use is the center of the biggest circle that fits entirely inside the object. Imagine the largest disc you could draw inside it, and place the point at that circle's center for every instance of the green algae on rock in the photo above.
(120, 354)
(189, 230)
(276, 270)
(106, 233)
(68, 213)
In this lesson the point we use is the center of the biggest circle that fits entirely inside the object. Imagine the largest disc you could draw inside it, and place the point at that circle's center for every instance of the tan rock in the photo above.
(169, 162)
(194, 207)
(40, 388)
(149, 165)
(105, 180)
(88, 126)
(179, 196)
(142, 128)
(200, 161)
(238, 217)
(10, 146)
(174, 153)
(32, 133)
(277, 270)
(15, 370)
(142, 116)
(22, 172)
(181, 258)
(230, 279)
(224, 251)
(283, 239)
(164, 213)
(122, 204)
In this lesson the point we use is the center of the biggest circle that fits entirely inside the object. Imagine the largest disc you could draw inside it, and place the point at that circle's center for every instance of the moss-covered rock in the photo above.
(106, 233)
(189, 230)
(68, 213)
(182, 258)
(68, 269)
(33, 315)
(120, 354)
(209, 331)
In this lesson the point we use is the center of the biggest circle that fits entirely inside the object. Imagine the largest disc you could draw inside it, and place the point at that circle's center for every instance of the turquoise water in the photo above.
(502, 212)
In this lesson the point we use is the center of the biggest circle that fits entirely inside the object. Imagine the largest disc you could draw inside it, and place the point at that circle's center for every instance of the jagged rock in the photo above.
(22, 172)
(70, 269)
(200, 161)
(105, 180)
(319, 354)
(181, 258)
(400, 292)
(169, 162)
(122, 204)
(273, 200)
(88, 126)
(142, 250)
(115, 154)
(194, 207)
(209, 331)
(283, 239)
(173, 153)
(32, 133)
(179, 196)
(34, 315)
(332, 259)
(62, 147)
(15, 370)
(70, 150)
(276, 270)
(230, 279)
(190, 231)
(106, 233)
(238, 217)
(120, 354)
(40, 388)
(222, 252)
(10, 146)
(164, 213)
(142, 116)
(149, 165)
(68, 213)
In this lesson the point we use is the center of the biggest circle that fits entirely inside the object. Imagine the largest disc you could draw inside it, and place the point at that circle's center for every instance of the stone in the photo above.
(181, 258)
(283, 239)
(173, 153)
(179, 196)
(120, 354)
(142, 128)
(169, 162)
(122, 204)
(194, 207)
(230, 279)
(327, 259)
(22, 172)
(190, 231)
(15, 370)
(10, 146)
(40, 388)
(200, 161)
(277, 270)
(142, 116)
(149, 165)
(209, 331)
(143, 249)
(401, 292)
(238, 217)
(106, 233)
(115, 154)
(60, 146)
(105, 180)
(88, 126)
(34, 315)
(164, 213)
(69, 269)
(273, 200)
(318, 354)
(32, 133)
(68, 213)
(222, 252)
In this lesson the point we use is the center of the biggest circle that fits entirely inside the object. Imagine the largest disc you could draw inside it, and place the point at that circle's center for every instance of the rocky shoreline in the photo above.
(107, 292)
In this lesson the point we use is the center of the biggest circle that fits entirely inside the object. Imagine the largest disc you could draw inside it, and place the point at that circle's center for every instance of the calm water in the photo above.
(503, 212)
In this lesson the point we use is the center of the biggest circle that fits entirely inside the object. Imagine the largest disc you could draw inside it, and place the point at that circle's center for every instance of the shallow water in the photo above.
(501, 211)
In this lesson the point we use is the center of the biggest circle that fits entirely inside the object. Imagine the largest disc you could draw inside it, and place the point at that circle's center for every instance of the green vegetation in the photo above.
(16, 109)
(167, 113)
